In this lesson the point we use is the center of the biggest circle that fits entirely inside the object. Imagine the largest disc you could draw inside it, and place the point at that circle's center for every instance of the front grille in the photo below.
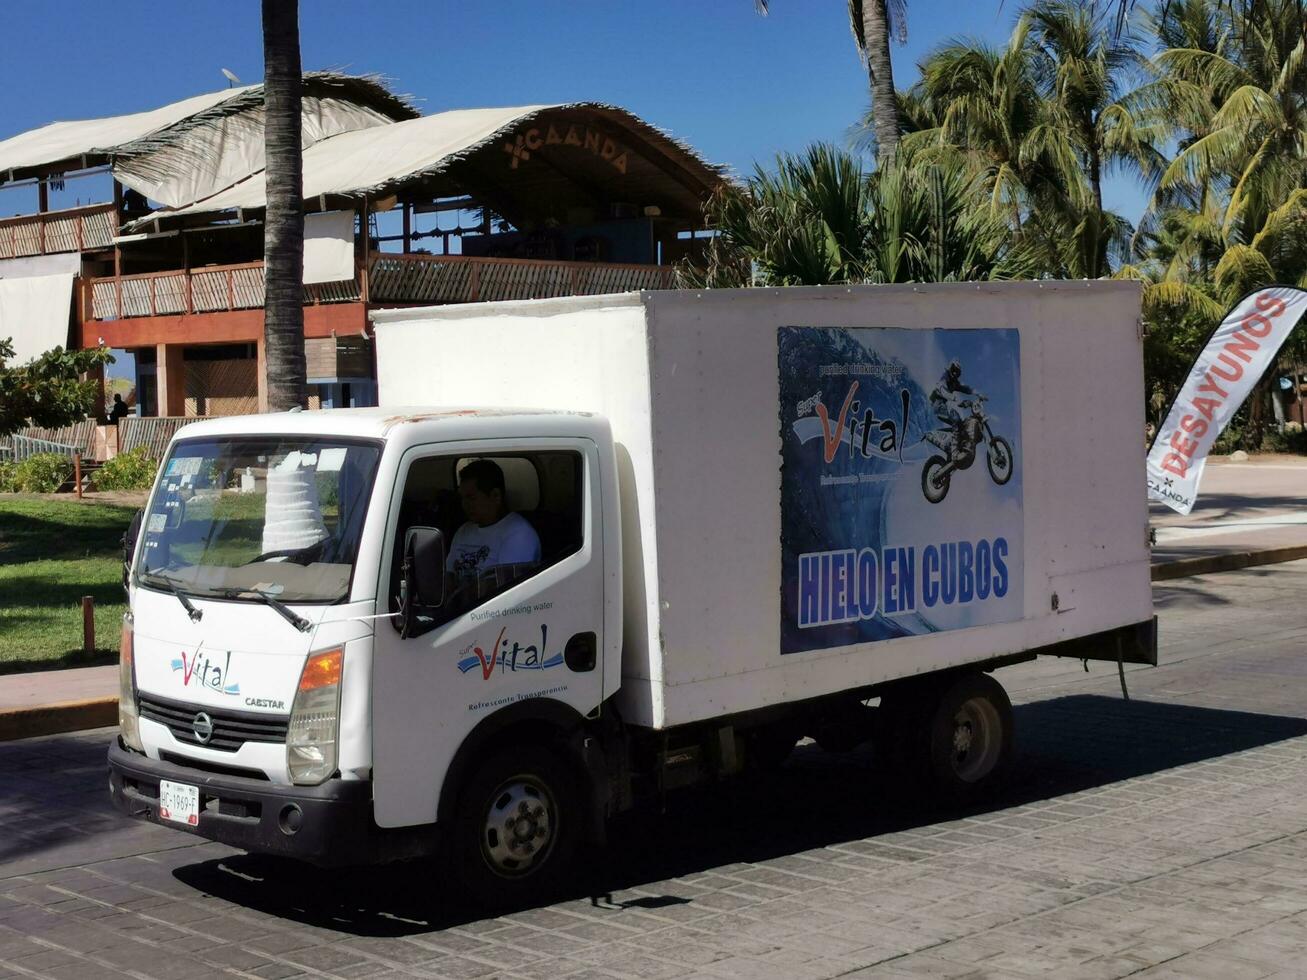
(217, 768)
(231, 729)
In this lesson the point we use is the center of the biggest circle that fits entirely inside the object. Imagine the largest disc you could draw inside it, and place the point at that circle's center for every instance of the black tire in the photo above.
(920, 730)
(968, 738)
(934, 490)
(999, 459)
(531, 794)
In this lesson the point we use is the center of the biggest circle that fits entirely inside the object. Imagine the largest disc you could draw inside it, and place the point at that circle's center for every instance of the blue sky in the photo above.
(737, 86)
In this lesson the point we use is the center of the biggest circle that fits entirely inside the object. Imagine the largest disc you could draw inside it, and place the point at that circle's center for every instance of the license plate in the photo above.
(179, 803)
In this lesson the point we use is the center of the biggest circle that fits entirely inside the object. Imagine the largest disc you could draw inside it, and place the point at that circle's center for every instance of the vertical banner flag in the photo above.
(1236, 356)
(901, 500)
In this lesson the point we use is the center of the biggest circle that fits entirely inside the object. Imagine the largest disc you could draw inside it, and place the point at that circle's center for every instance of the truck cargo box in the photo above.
(814, 498)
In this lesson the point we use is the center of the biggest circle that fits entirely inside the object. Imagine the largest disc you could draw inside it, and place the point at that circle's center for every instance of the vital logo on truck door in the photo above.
(901, 506)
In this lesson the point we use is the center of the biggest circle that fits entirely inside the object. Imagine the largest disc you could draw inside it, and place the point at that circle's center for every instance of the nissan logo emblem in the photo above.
(202, 726)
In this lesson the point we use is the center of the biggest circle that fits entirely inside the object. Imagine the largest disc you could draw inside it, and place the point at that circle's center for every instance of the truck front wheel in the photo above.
(516, 829)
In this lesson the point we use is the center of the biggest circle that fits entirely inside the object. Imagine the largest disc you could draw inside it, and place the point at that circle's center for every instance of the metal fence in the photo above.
(23, 447)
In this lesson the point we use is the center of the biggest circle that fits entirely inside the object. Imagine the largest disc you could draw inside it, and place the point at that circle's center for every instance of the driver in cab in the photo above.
(494, 546)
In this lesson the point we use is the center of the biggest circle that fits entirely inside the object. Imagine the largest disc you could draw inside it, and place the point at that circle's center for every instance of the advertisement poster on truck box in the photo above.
(901, 508)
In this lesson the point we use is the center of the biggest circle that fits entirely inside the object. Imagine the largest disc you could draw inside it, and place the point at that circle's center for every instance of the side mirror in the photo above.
(129, 546)
(421, 580)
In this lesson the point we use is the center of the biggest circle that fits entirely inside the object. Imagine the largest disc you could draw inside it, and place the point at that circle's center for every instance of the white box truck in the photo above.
(647, 540)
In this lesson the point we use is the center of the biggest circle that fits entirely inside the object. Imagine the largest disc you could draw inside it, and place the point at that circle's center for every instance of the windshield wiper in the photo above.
(195, 614)
(286, 613)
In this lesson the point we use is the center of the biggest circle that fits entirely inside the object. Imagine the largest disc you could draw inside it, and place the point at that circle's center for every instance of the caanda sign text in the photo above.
(604, 147)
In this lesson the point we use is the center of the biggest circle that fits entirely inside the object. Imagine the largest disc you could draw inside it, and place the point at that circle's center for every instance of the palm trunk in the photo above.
(283, 228)
(884, 103)
(1100, 241)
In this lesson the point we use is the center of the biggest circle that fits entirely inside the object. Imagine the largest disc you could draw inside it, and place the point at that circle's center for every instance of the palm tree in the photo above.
(1243, 105)
(820, 218)
(1042, 117)
(1230, 212)
(1085, 69)
(873, 22)
(283, 228)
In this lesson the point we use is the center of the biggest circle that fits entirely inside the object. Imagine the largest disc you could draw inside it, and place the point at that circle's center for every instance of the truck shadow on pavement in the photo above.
(1226, 506)
(1066, 745)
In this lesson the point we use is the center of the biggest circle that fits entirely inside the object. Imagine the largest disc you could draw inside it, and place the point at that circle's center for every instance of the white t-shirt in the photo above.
(509, 541)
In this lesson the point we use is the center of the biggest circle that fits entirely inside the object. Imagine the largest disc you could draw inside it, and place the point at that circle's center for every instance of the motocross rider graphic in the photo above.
(967, 426)
(944, 397)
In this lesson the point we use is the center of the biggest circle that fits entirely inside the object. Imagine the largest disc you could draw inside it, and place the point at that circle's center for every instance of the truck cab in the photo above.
(279, 691)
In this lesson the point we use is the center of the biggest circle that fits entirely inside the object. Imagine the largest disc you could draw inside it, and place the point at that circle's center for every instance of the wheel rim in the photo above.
(520, 826)
(934, 484)
(976, 740)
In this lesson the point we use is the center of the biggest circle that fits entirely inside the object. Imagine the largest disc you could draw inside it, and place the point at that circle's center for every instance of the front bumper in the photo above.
(329, 824)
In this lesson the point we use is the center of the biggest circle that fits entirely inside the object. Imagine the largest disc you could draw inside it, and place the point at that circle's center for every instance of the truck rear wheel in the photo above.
(957, 734)
(969, 737)
(516, 828)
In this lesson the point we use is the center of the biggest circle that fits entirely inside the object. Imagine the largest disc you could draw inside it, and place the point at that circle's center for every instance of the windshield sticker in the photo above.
(156, 523)
(184, 465)
(203, 671)
(509, 656)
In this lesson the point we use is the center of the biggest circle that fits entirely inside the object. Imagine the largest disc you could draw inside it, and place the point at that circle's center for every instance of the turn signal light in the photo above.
(322, 669)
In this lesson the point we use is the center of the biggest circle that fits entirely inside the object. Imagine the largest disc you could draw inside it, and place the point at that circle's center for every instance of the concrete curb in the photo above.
(1208, 564)
(51, 719)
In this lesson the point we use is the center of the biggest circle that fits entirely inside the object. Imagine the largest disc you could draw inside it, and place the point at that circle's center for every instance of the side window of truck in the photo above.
(505, 518)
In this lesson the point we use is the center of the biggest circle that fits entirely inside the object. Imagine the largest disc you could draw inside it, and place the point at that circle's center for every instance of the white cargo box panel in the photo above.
(781, 539)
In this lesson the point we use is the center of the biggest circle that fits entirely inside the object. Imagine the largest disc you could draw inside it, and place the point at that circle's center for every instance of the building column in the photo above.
(171, 380)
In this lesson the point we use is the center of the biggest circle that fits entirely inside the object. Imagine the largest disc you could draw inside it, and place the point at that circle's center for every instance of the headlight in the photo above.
(315, 718)
(127, 718)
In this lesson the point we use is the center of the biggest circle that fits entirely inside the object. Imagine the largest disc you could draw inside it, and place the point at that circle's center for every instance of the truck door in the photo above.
(521, 630)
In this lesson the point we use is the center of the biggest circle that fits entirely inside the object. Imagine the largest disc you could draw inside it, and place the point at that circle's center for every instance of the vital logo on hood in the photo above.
(201, 670)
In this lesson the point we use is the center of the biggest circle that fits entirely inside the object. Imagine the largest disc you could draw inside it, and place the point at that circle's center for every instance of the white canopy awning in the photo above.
(354, 163)
(35, 311)
(62, 141)
(189, 149)
(377, 160)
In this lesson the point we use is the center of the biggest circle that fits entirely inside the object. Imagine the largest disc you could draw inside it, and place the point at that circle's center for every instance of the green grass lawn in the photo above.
(52, 553)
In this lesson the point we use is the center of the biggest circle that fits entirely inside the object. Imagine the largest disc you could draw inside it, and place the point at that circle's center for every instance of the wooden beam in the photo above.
(239, 326)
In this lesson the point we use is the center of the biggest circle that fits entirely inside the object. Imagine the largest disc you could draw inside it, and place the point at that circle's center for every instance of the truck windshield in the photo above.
(235, 517)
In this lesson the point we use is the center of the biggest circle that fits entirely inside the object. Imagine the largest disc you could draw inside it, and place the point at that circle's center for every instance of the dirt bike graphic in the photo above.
(959, 446)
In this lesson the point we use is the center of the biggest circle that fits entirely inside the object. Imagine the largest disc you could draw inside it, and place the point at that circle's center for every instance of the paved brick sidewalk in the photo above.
(43, 687)
(1166, 836)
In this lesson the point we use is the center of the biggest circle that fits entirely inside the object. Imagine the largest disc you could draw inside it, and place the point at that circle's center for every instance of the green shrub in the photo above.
(1291, 440)
(133, 470)
(42, 473)
(1228, 441)
(8, 476)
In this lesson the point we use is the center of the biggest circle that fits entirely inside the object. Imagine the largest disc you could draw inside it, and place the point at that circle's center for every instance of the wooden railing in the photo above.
(465, 279)
(417, 279)
(211, 289)
(152, 432)
(74, 230)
